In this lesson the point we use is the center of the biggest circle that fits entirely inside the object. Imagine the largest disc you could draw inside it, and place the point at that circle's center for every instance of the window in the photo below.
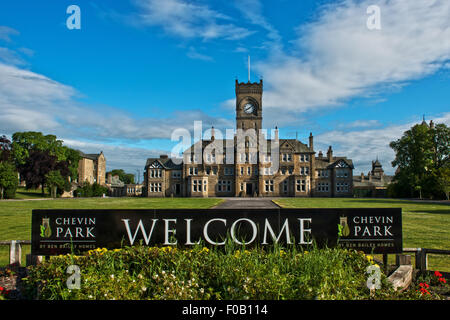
(214, 171)
(242, 187)
(268, 185)
(342, 187)
(248, 170)
(155, 173)
(242, 171)
(341, 173)
(287, 157)
(302, 158)
(255, 171)
(291, 170)
(300, 185)
(285, 186)
(224, 186)
(155, 187)
(322, 187)
(228, 171)
(176, 174)
(322, 173)
(283, 171)
(208, 170)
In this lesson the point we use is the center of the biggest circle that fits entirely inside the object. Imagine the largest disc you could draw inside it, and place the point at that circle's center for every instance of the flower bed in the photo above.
(141, 272)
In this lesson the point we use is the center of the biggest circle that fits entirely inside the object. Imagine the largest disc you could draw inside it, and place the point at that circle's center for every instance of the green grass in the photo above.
(15, 216)
(425, 225)
(23, 193)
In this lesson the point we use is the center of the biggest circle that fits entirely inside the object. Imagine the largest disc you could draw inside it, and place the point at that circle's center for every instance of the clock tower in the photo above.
(249, 105)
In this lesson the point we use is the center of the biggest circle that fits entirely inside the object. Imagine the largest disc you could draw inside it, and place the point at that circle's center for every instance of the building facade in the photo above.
(92, 168)
(250, 164)
(374, 184)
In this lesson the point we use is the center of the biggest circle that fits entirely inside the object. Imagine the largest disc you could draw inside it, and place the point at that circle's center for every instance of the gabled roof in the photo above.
(163, 163)
(335, 162)
(91, 156)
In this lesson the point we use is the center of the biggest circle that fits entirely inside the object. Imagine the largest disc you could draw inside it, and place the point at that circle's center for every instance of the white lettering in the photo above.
(188, 233)
(268, 227)
(233, 226)
(303, 231)
(205, 232)
(167, 231)
(141, 227)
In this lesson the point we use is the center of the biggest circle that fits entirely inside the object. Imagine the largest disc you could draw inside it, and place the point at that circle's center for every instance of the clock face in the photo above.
(249, 108)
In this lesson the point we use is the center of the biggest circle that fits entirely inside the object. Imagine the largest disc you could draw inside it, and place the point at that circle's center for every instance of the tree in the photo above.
(422, 156)
(8, 180)
(38, 165)
(8, 172)
(5, 149)
(56, 183)
(127, 178)
(37, 155)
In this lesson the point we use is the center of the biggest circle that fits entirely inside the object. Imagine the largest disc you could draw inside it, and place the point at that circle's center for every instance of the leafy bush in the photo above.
(90, 190)
(141, 272)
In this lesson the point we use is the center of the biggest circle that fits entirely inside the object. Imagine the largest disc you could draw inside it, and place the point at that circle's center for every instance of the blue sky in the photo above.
(138, 69)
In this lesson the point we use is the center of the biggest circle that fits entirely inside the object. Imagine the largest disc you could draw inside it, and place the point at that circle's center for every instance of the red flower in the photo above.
(1, 289)
(442, 280)
(437, 274)
(423, 290)
(7, 292)
(424, 285)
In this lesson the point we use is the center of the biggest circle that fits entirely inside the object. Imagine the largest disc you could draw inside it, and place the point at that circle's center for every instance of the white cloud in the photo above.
(6, 32)
(194, 54)
(188, 20)
(252, 10)
(30, 101)
(117, 157)
(336, 57)
(9, 56)
(363, 146)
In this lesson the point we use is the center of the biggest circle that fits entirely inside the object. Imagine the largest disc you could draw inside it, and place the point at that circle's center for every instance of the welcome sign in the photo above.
(57, 232)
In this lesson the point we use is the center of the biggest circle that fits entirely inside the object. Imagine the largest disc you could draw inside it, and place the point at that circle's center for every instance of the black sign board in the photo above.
(57, 232)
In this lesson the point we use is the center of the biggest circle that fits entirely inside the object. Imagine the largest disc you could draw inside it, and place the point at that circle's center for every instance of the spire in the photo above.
(248, 68)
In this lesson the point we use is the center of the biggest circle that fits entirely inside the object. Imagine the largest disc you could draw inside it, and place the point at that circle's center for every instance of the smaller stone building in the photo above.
(374, 184)
(92, 168)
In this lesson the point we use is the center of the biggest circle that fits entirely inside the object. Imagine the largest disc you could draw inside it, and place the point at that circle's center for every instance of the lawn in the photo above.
(425, 224)
(15, 216)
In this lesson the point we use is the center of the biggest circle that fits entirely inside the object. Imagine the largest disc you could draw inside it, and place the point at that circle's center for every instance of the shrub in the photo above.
(90, 190)
(141, 272)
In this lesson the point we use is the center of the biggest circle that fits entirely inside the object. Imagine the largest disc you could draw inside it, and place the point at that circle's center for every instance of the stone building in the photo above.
(250, 165)
(374, 184)
(117, 188)
(92, 168)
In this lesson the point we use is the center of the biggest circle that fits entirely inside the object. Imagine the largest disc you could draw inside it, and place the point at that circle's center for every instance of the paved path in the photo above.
(236, 203)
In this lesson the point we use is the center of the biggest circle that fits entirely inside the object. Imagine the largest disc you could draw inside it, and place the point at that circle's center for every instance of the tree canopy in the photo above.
(422, 161)
(127, 178)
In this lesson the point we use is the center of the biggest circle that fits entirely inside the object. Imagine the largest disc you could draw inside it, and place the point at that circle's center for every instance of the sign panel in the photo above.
(57, 232)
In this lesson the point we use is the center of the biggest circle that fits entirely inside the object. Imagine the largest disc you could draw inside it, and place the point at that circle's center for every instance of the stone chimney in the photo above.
(330, 154)
(370, 176)
(311, 142)
(362, 176)
(276, 133)
(320, 155)
(212, 134)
